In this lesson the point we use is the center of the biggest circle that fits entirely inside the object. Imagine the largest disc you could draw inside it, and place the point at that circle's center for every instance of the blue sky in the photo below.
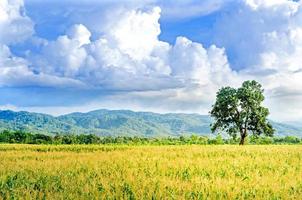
(164, 56)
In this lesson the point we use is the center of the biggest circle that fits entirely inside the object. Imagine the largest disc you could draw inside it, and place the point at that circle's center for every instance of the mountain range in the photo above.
(120, 123)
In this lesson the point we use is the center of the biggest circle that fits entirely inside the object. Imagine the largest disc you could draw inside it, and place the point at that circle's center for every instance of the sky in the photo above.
(62, 56)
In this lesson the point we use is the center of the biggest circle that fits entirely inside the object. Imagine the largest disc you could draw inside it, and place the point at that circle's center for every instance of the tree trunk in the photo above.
(243, 137)
(242, 141)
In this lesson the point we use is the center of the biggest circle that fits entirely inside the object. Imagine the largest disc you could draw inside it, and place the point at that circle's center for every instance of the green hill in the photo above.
(119, 123)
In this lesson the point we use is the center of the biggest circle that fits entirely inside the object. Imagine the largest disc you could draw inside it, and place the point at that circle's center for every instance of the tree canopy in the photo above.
(240, 111)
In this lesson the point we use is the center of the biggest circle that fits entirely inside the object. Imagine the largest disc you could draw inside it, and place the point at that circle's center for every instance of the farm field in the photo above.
(150, 172)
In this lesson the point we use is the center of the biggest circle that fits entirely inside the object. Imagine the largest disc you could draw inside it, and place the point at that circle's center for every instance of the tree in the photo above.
(238, 111)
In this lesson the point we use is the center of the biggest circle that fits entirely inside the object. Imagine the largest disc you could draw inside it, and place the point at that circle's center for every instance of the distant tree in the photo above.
(69, 139)
(292, 140)
(41, 139)
(238, 111)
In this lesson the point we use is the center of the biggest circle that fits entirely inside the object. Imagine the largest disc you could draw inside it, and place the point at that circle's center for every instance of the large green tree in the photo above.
(240, 111)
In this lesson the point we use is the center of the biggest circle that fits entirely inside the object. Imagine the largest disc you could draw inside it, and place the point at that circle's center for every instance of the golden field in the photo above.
(150, 172)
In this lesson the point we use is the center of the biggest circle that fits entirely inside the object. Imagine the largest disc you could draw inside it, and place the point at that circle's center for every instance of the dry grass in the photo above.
(146, 172)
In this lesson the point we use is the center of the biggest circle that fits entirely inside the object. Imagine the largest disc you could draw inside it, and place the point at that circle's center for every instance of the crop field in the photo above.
(150, 172)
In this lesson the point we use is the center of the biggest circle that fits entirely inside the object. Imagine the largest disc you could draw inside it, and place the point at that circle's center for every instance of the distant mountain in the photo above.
(119, 123)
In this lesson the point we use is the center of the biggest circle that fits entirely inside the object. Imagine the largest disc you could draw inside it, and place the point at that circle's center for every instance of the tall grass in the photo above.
(150, 172)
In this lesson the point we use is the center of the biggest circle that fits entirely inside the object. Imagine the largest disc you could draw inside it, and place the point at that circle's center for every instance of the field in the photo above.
(151, 172)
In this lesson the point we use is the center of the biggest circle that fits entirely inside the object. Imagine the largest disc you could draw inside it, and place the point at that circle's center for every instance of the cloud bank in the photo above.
(121, 62)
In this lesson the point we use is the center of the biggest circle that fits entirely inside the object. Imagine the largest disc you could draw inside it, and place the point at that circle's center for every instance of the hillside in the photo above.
(119, 123)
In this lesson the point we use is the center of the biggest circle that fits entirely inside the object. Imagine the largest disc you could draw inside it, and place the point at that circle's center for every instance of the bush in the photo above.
(29, 138)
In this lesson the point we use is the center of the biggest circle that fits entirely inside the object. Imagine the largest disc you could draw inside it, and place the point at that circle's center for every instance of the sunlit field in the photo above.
(151, 172)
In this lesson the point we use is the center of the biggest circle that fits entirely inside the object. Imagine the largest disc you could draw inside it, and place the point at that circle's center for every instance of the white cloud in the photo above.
(122, 54)
(130, 62)
(66, 55)
(80, 34)
(135, 33)
(264, 39)
(15, 26)
(258, 4)
(15, 71)
(130, 57)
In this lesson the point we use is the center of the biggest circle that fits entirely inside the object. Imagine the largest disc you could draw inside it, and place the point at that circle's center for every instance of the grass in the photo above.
(150, 172)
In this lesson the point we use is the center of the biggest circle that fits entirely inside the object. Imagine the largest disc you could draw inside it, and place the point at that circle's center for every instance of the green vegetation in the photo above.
(239, 111)
(28, 138)
(120, 123)
(107, 123)
(150, 172)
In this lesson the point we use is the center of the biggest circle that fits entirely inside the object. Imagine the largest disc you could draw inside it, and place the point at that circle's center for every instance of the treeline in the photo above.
(21, 137)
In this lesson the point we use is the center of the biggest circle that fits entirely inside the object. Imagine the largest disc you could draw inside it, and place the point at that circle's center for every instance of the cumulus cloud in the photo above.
(136, 33)
(64, 56)
(130, 57)
(15, 71)
(120, 60)
(15, 26)
(126, 63)
(263, 40)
